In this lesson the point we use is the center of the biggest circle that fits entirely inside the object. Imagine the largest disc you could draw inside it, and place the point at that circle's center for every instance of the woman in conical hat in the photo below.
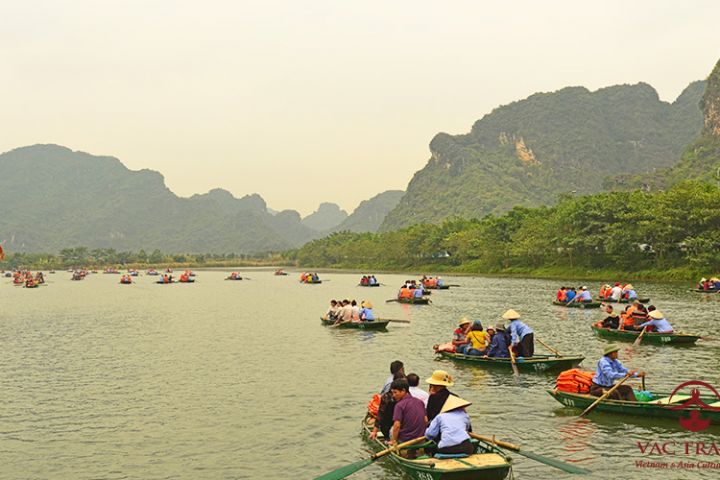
(450, 428)
(439, 381)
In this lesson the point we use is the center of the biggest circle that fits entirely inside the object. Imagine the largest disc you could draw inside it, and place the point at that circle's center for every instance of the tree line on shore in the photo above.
(76, 257)
(673, 233)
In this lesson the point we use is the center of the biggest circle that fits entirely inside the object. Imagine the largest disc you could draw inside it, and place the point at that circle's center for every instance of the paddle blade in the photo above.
(565, 467)
(345, 471)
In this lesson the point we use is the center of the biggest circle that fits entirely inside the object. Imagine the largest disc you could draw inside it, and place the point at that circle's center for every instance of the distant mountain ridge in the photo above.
(326, 217)
(530, 151)
(53, 198)
(369, 215)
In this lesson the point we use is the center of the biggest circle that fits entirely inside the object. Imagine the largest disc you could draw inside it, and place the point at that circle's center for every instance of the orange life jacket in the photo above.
(574, 381)
(405, 293)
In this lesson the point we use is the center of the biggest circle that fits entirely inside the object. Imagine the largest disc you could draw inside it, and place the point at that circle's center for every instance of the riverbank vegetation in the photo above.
(78, 257)
(666, 235)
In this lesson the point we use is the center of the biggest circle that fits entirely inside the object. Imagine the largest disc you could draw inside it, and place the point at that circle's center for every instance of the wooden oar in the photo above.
(604, 396)
(639, 338)
(348, 470)
(391, 300)
(394, 320)
(566, 467)
(512, 361)
(453, 285)
(549, 347)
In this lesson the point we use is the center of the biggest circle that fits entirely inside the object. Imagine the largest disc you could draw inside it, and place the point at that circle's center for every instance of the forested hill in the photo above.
(53, 198)
(701, 159)
(529, 152)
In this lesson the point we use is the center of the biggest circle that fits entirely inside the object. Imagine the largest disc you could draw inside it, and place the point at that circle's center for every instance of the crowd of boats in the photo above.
(439, 443)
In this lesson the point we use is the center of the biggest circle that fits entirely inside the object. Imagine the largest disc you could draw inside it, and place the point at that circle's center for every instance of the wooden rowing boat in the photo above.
(660, 407)
(700, 290)
(368, 285)
(312, 282)
(374, 325)
(487, 463)
(625, 300)
(414, 301)
(437, 287)
(577, 304)
(649, 337)
(536, 363)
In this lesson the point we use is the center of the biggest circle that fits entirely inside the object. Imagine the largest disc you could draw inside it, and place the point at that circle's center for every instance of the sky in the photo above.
(311, 101)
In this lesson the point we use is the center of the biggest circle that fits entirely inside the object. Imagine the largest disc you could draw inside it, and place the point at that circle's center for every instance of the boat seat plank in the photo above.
(667, 401)
(476, 460)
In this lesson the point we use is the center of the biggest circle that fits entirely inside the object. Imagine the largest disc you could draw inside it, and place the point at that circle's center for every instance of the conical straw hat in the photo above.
(454, 402)
(511, 315)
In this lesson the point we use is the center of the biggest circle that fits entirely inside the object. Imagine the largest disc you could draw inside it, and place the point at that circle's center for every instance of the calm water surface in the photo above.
(228, 380)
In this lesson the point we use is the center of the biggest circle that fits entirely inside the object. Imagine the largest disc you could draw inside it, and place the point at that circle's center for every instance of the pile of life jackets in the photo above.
(374, 405)
(574, 381)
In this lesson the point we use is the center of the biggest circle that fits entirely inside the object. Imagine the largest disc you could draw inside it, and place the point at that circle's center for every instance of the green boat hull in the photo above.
(651, 338)
(625, 300)
(312, 283)
(462, 469)
(374, 325)
(538, 363)
(414, 301)
(441, 287)
(637, 409)
(577, 304)
(698, 290)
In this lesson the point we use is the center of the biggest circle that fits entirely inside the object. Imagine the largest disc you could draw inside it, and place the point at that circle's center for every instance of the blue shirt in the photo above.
(661, 325)
(518, 330)
(499, 346)
(608, 371)
(440, 282)
(631, 294)
(418, 293)
(570, 295)
(367, 314)
(451, 427)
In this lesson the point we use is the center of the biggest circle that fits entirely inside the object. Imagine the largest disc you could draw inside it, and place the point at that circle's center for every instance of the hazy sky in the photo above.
(313, 101)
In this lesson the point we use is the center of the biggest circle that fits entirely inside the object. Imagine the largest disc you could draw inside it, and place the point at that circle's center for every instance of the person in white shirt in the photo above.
(616, 292)
(415, 391)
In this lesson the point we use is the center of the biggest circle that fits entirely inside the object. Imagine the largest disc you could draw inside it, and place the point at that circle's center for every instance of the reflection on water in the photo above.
(239, 379)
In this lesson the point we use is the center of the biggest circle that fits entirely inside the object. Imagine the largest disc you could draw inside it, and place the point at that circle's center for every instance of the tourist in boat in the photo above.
(500, 343)
(626, 318)
(639, 315)
(372, 280)
(440, 282)
(395, 367)
(355, 311)
(459, 338)
(522, 337)
(609, 369)
(439, 381)
(715, 283)
(332, 313)
(417, 292)
(415, 390)
(405, 293)
(364, 280)
(611, 321)
(345, 313)
(39, 278)
(616, 292)
(658, 322)
(30, 282)
(384, 417)
(409, 418)
(450, 429)
(570, 294)
(583, 297)
(629, 292)
(477, 338)
(366, 313)
(561, 295)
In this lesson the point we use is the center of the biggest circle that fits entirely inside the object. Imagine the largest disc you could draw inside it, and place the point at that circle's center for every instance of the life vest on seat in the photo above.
(374, 405)
(574, 381)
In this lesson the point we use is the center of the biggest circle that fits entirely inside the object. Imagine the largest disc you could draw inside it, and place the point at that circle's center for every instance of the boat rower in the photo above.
(610, 369)
(658, 322)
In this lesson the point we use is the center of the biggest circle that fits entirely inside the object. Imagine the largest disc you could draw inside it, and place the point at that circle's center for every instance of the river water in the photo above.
(229, 380)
